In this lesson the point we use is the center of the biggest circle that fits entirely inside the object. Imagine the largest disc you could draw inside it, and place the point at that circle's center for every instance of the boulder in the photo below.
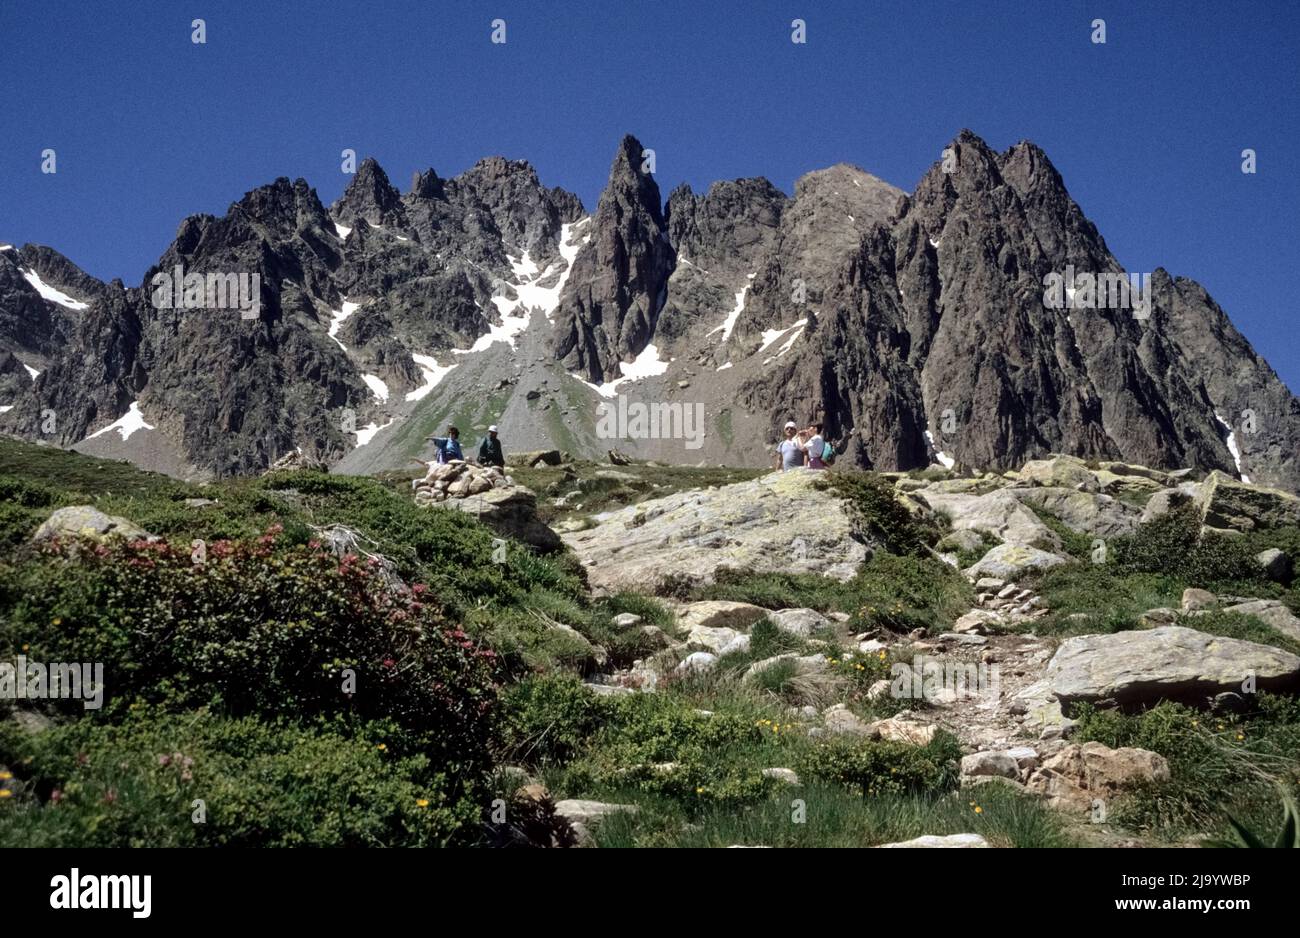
(787, 776)
(803, 664)
(1162, 502)
(1080, 774)
(1276, 565)
(1011, 561)
(714, 639)
(1166, 663)
(510, 510)
(997, 513)
(626, 619)
(1132, 471)
(87, 521)
(963, 539)
(1087, 512)
(1228, 503)
(719, 614)
(976, 622)
(900, 730)
(999, 764)
(1153, 618)
(800, 622)
(945, 841)
(1195, 599)
(697, 662)
(548, 457)
(590, 813)
(840, 720)
(782, 522)
(1271, 611)
(1060, 471)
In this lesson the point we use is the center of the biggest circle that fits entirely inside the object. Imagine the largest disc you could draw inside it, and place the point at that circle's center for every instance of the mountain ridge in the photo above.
(913, 324)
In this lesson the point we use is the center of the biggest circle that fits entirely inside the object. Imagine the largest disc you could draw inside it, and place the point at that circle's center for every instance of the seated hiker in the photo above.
(790, 451)
(815, 447)
(448, 446)
(489, 451)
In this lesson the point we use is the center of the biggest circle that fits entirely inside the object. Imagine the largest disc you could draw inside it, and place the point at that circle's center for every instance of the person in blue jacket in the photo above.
(448, 446)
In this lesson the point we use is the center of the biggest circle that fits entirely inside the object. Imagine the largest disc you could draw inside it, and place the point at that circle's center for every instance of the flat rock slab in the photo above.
(782, 522)
(1009, 561)
(1166, 663)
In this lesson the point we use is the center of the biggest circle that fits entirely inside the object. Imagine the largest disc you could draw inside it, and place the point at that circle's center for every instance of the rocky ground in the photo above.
(1013, 717)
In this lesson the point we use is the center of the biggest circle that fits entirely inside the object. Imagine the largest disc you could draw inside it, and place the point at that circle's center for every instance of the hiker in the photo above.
(489, 451)
(815, 447)
(790, 451)
(448, 446)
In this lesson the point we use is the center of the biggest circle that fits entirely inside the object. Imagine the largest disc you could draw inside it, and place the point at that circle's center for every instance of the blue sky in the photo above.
(1147, 130)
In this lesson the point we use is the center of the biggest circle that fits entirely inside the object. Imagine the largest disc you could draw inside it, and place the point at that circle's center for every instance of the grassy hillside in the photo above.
(343, 668)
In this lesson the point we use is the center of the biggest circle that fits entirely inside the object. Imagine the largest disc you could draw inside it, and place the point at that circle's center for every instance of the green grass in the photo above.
(1220, 764)
(820, 815)
(896, 593)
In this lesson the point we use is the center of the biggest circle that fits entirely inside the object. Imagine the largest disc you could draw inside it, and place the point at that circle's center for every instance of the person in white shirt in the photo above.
(815, 447)
(790, 451)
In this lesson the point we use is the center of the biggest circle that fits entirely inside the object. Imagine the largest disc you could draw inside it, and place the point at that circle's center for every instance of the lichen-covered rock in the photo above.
(87, 521)
(782, 522)
(1166, 663)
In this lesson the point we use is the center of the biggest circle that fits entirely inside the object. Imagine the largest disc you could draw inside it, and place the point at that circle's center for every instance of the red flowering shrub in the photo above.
(256, 628)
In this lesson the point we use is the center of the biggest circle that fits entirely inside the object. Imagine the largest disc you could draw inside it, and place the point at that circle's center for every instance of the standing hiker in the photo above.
(448, 446)
(489, 451)
(816, 447)
(790, 451)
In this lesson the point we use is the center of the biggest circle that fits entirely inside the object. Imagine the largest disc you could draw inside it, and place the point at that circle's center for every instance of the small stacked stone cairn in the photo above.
(457, 479)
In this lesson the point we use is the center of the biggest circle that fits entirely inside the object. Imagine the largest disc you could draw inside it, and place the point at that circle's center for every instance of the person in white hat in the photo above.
(489, 451)
(790, 451)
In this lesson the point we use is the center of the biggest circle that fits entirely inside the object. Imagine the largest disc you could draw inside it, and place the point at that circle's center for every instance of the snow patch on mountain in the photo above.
(377, 387)
(516, 314)
(366, 434)
(52, 294)
(936, 454)
(645, 365)
(127, 424)
(30, 370)
(433, 373)
(338, 317)
(342, 231)
(1232, 447)
(730, 322)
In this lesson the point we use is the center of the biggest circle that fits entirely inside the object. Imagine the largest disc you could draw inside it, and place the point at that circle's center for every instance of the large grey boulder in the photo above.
(782, 522)
(1077, 776)
(1228, 503)
(1087, 512)
(1166, 663)
(1271, 611)
(1011, 561)
(718, 613)
(998, 513)
(87, 521)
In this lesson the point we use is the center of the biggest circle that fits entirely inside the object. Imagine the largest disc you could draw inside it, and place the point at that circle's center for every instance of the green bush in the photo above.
(257, 628)
(879, 514)
(266, 784)
(1172, 544)
(885, 767)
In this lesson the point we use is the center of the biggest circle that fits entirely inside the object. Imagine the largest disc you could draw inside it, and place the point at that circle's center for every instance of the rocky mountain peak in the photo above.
(618, 285)
(370, 196)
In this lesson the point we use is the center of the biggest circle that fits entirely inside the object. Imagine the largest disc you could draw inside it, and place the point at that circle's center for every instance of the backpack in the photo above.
(828, 453)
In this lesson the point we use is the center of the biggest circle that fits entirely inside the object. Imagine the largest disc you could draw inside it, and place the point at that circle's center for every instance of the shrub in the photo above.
(266, 784)
(885, 767)
(258, 628)
(1172, 544)
(879, 514)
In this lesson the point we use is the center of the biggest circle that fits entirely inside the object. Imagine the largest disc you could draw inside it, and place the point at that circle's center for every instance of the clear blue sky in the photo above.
(1147, 129)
